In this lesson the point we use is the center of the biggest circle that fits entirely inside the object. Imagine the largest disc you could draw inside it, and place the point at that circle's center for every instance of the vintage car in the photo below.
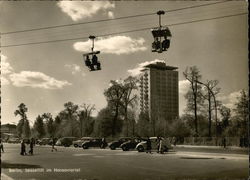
(94, 142)
(115, 144)
(142, 146)
(131, 144)
(78, 143)
(45, 141)
(13, 140)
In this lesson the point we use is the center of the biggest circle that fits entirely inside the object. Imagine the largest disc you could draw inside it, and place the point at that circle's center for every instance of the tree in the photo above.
(128, 99)
(143, 125)
(57, 125)
(242, 112)
(49, 124)
(104, 123)
(192, 74)
(211, 91)
(86, 122)
(26, 129)
(39, 126)
(23, 129)
(114, 95)
(70, 117)
(225, 113)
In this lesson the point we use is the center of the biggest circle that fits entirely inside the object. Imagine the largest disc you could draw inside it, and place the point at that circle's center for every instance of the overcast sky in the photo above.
(45, 76)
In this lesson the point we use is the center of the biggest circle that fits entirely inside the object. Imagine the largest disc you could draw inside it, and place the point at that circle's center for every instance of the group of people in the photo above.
(23, 147)
(159, 145)
(157, 45)
(32, 143)
(94, 65)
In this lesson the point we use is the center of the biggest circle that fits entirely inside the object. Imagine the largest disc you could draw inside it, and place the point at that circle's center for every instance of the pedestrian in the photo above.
(148, 146)
(1, 145)
(224, 143)
(104, 143)
(174, 140)
(53, 144)
(160, 145)
(23, 148)
(31, 146)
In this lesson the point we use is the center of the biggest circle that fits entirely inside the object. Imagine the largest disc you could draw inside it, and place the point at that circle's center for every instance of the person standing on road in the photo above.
(31, 146)
(224, 142)
(1, 145)
(160, 145)
(104, 143)
(148, 146)
(53, 144)
(23, 148)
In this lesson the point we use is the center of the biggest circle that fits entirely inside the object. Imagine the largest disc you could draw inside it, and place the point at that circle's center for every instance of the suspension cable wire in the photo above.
(130, 31)
(104, 20)
(79, 31)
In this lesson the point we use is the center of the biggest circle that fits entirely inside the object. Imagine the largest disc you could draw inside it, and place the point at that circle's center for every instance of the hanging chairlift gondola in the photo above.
(161, 36)
(93, 64)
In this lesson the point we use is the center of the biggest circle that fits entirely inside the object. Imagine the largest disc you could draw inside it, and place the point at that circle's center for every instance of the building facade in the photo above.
(159, 95)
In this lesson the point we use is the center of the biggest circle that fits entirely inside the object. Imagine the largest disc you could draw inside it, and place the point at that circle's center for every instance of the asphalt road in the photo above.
(104, 164)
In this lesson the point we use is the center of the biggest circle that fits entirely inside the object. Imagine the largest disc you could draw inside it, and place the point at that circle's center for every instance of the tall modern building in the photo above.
(159, 95)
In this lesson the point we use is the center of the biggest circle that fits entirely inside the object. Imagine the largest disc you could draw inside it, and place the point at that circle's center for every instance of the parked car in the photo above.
(78, 143)
(131, 144)
(65, 141)
(142, 146)
(44, 141)
(95, 142)
(115, 144)
(26, 140)
(13, 140)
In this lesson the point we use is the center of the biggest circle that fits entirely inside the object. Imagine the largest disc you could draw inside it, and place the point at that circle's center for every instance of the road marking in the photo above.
(98, 156)
(83, 154)
(212, 155)
(5, 177)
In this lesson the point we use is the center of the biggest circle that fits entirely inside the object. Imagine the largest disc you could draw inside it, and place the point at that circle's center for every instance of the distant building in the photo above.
(8, 130)
(159, 95)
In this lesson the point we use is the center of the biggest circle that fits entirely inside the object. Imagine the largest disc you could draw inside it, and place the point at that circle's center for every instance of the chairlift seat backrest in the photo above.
(161, 32)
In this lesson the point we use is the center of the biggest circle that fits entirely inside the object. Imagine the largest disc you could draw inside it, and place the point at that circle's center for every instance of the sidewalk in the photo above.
(212, 147)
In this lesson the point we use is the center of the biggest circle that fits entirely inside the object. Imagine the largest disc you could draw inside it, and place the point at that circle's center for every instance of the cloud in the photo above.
(111, 15)
(4, 81)
(78, 10)
(5, 65)
(73, 68)
(230, 99)
(137, 71)
(183, 86)
(113, 45)
(36, 80)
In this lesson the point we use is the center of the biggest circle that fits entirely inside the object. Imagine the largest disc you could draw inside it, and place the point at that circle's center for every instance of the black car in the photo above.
(131, 144)
(115, 144)
(95, 142)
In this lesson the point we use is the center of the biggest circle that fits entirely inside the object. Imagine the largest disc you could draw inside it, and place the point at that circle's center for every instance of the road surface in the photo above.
(105, 164)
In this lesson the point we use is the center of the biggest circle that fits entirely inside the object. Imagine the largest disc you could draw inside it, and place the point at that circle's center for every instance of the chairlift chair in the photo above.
(161, 36)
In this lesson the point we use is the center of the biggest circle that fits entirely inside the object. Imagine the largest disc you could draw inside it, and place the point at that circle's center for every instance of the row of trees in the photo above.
(76, 120)
(204, 114)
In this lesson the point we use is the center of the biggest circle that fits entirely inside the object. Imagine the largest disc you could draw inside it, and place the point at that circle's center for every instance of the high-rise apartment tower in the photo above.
(159, 95)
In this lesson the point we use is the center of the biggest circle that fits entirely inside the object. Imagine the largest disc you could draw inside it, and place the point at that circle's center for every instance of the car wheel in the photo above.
(124, 148)
(75, 145)
(140, 149)
(84, 147)
(112, 147)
